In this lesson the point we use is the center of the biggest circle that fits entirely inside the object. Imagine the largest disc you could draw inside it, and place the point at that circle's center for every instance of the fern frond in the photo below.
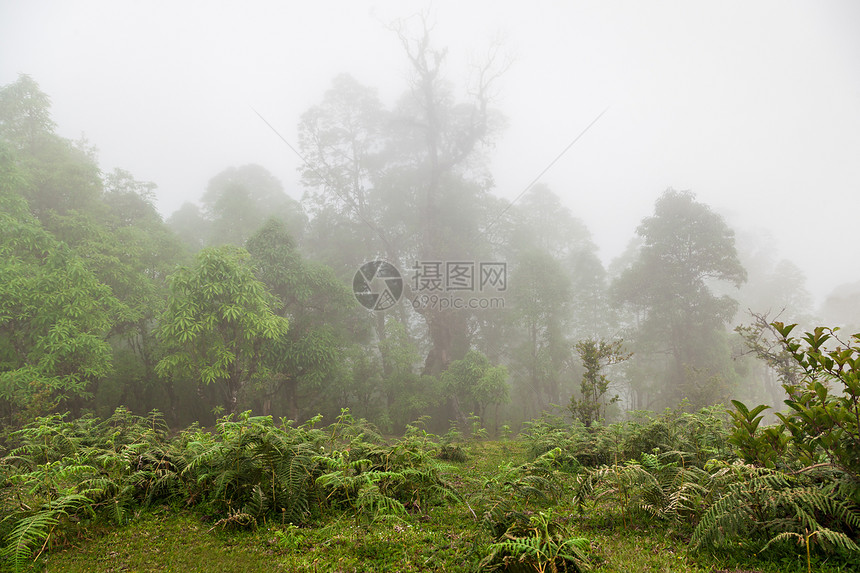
(28, 534)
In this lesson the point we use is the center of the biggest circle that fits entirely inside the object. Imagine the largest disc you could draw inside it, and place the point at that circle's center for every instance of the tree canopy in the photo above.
(217, 321)
(686, 247)
(243, 299)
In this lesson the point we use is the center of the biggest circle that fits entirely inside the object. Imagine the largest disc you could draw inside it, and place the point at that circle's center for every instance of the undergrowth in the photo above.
(706, 489)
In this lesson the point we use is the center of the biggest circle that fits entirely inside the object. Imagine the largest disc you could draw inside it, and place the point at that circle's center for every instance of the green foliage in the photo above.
(60, 475)
(66, 473)
(541, 295)
(54, 317)
(33, 531)
(375, 479)
(239, 200)
(657, 487)
(697, 437)
(289, 539)
(701, 435)
(217, 321)
(57, 175)
(25, 112)
(762, 506)
(763, 448)
(507, 499)
(819, 438)
(825, 404)
(474, 381)
(250, 467)
(668, 291)
(86, 266)
(453, 453)
(764, 341)
(596, 355)
(320, 308)
(571, 439)
(338, 485)
(405, 393)
(543, 544)
(537, 482)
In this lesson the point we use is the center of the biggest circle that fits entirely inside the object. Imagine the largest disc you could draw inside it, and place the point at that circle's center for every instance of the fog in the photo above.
(754, 107)
(323, 276)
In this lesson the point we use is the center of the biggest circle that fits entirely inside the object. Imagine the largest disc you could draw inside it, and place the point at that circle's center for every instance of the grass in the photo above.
(444, 538)
(179, 541)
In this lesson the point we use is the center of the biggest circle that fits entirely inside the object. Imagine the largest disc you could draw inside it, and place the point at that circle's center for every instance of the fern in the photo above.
(659, 487)
(35, 530)
(295, 479)
(771, 505)
(371, 501)
(252, 465)
(540, 544)
(246, 470)
(363, 491)
(28, 534)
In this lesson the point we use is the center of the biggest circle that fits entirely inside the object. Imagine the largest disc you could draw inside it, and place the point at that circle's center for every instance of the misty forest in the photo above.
(227, 375)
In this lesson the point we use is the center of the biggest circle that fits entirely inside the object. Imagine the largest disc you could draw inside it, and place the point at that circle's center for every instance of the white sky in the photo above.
(752, 105)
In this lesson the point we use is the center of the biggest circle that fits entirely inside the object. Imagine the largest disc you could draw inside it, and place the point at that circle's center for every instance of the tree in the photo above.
(824, 404)
(321, 311)
(596, 356)
(125, 244)
(540, 292)
(386, 386)
(774, 285)
(541, 222)
(407, 394)
(54, 316)
(592, 314)
(441, 140)
(840, 307)
(239, 200)
(347, 141)
(686, 248)
(109, 223)
(557, 289)
(218, 319)
(130, 201)
(405, 184)
(58, 175)
(190, 226)
(136, 251)
(474, 382)
(25, 113)
(343, 139)
(780, 369)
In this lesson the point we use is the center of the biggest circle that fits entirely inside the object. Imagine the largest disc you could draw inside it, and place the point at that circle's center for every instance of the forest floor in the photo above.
(443, 538)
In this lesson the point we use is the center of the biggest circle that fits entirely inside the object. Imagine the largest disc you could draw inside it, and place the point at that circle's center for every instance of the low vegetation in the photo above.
(699, 490)
(401, 287)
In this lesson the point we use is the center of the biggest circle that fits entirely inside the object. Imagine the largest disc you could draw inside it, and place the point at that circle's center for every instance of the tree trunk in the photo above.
(449, 336)
(292, 387)
(231, 403)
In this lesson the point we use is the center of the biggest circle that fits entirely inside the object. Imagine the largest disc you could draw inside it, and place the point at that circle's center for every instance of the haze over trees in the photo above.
(673, 311)
(244, 300)
(391, 367)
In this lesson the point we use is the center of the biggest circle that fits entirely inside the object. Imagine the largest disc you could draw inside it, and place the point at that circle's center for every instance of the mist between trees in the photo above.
(245, 300)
